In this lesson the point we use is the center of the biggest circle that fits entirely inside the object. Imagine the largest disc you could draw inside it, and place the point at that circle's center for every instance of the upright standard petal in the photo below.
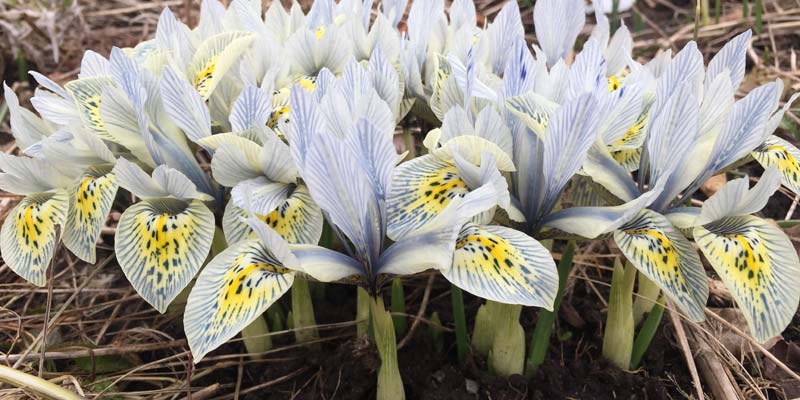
(569, 136)
(185, 105)
(252, 109)
(558, 24)
(730, 59)
(26, 127)
(744, 129)
(341, 187)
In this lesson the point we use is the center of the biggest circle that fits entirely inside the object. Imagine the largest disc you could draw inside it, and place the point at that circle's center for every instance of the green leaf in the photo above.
(437, 332)
(646, 334)
(103, 364)
(540, 340)
(646, 297)
(457, 297)
(399, 307)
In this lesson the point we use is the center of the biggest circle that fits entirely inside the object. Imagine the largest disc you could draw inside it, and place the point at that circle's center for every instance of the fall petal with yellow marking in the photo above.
(614, 83)
(778, 152)
(628, 158)
(759, 265)
(634, 136)
(87, 93)
(421, 189)
(665, 256)
(214, 58)
(236, 287)
(161, 245)
(504, 265)
(28, 236)
(298, 220)
(280, 101)
(203, 79)
(89, 204)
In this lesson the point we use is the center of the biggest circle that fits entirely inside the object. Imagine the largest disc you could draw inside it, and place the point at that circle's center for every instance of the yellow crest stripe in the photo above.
(27, 239)
(161, 245)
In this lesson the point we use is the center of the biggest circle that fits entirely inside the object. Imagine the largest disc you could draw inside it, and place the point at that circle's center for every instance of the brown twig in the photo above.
(757, 345)
(420, 313)
(687, 351)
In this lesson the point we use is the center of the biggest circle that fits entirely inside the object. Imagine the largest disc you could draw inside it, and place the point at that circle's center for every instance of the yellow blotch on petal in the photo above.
(204, 77)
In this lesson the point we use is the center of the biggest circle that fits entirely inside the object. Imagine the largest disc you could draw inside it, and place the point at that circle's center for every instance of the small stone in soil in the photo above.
(472, 386)
(439, 376)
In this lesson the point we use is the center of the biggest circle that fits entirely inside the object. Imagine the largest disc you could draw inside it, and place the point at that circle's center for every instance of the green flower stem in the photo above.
(507, 356)
(363, 327)
(390, 384)
(22, 66)
(646, 333)
(618, 335)
(540, 340)
(647, 295)
(276, 317)
(256, 337)
(485, 328)
(759, 9)
(460, 318)
(410, 143)
(705, 12)
(399, 307)
(35, 384)
(614, 15)
(303, 321)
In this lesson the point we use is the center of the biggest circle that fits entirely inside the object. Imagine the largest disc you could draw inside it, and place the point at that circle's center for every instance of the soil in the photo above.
(574, 368)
